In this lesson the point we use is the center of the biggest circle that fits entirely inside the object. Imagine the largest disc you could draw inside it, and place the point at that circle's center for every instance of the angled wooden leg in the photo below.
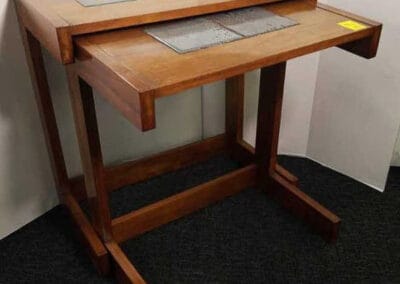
(234, 107)
(268, 124)
(239, 149)
(44, 103)
(88, 236)
(284, 173)
(124, 269)
(90, 150)
(269, 116)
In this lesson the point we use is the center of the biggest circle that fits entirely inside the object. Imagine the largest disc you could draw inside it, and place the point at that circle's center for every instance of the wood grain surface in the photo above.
(132, 60)
(56, 22)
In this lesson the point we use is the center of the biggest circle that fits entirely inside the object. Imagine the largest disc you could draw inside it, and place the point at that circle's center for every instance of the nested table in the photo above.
(104, 48)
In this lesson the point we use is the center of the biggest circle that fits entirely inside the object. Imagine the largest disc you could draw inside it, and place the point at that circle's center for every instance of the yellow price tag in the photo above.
(352, 25)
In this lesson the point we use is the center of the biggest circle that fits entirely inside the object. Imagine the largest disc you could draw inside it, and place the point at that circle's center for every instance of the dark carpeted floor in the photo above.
(245, 239)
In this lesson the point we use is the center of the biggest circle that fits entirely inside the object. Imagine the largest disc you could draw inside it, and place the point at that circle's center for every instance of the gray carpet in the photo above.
(245, 239)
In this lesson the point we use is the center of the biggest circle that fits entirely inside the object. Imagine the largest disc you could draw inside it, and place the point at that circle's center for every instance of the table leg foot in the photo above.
(88, 236)
(282, 185)
(288, 176)
(124, 270)
(303, 206)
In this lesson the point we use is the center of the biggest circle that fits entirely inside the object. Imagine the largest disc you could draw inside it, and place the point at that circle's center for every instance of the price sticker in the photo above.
(352, 25)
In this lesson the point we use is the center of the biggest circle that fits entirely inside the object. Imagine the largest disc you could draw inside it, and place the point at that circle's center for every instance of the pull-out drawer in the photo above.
(131, 69)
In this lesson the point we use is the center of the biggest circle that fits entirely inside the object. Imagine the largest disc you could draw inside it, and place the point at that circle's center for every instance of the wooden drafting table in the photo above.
(104, 47)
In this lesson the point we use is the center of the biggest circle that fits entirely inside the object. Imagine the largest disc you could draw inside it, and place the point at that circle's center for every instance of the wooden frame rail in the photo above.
(136, 171)
(124, 269)
(304, 207)
(87, 235)
(132, 172)
(152, 216)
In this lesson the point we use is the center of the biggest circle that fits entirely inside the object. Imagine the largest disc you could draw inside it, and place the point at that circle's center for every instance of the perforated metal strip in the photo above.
(202, 32)
(92, 3)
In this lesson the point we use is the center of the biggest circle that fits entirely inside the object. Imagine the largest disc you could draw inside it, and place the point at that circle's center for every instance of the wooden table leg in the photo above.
(83, 106)
(124, 269)
(268, 124)
(239, 149)
(90, 151)
(269, 116)
(44, 103)
(234, 110)
(85, 231)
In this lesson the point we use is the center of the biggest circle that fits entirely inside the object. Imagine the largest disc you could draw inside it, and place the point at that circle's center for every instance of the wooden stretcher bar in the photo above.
(133, 172)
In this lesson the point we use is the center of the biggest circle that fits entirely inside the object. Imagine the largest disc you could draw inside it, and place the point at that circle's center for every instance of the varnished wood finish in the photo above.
(148, 69)
(234, 110)
(286, 193)
(84, 229)
(88, 236)
(239, 149)
(136, 171)
(179, 205)
(131, 69)
(272, 80)
(284, 173)
(124, 269)
(133, 172)
(139, 109)
(246, 155)
(172, 160)
(46, 110)
(366, 47)
(56, 22)
(344, 13)
(48, 28)
(90, 150)
(304, 207)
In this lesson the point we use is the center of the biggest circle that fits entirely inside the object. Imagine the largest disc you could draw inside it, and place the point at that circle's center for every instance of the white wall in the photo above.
(25, 183)
(356, 114)
(396, 153)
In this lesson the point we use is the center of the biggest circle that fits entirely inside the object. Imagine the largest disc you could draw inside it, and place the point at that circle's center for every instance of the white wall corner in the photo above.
(355, 118)
(396, 153)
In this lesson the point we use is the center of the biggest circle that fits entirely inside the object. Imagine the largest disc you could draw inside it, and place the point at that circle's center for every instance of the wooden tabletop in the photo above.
(137, 57)
(56, 22)
(144, 68)
(134, 12)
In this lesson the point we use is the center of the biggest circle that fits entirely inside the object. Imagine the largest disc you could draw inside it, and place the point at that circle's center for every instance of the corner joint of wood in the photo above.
(366, 47)
(148, 112)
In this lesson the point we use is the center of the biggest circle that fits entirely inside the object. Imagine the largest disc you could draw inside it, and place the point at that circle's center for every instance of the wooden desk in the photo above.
(131, 70)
